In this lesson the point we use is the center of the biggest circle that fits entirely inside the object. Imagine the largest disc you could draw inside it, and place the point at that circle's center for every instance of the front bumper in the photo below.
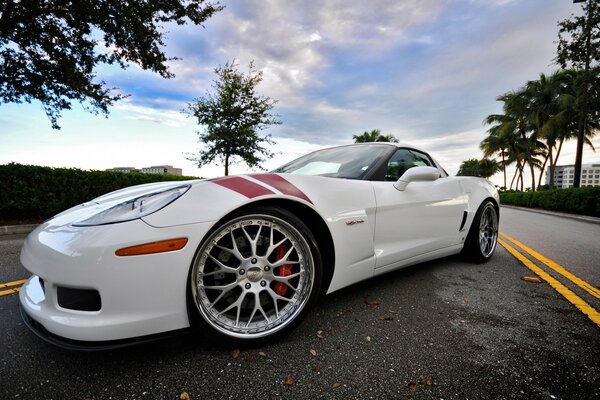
(140, 295)
(82, 345)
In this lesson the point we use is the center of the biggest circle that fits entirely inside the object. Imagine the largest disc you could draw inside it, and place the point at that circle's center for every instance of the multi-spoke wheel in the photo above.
(255, 276)
(483, 235)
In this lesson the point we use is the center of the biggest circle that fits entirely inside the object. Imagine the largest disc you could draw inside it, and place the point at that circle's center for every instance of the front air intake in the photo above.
(79, 299)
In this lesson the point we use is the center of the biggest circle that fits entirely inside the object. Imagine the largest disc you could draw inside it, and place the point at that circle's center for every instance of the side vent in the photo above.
(464, 219)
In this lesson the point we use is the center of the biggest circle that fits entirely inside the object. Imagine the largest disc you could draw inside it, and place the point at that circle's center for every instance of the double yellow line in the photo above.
(568, 294)
(14, 287)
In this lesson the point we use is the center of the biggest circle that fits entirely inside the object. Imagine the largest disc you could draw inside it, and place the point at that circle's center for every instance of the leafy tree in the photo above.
(579, 48)
(483, 168)
(374, 136)
(233, 116)
(488, 167)
(516, 122)
(538, 118)
(544, 97)
(469, 167)
(579, 38)
(498, 142)
(49, 50)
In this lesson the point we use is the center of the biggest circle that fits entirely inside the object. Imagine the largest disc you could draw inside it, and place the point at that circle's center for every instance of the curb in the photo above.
(7, 230)
(582, 218)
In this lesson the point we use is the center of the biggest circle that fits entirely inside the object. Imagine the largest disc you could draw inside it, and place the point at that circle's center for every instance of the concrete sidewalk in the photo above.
(12, 230)
(583, 218)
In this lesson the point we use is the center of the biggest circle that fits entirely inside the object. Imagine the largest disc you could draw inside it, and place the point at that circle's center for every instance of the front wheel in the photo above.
(256, 276)
(483, 235)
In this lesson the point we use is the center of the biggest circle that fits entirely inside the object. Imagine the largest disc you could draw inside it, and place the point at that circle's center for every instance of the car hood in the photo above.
(113, 198)
(139, 190)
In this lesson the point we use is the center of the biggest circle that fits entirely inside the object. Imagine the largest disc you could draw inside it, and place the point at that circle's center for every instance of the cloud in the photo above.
(425, 71)
(369, 28)
(170, 117)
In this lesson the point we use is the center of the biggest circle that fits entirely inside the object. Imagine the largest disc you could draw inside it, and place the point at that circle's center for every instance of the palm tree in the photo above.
(515, 154)
(483, 168)
(488, 167)
(497, 142)
(503, 132)
(469, 167)
(554, 113)
(537, 119)
(518, 105)
(551, 101)
(516, 125)
(374, 136)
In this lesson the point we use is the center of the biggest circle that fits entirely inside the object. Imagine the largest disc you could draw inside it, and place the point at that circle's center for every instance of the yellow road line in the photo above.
(15, 283)
(9, 291)
(556, 267)
(577, 301)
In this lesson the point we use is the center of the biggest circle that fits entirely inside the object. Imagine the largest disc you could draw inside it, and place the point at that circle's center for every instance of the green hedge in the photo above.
(30, 191)
(585, 200)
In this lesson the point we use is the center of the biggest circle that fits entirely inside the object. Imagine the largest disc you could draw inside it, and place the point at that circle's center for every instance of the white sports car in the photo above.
(243, 258)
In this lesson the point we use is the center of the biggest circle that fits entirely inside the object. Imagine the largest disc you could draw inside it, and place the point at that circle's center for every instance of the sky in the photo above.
(426, 71)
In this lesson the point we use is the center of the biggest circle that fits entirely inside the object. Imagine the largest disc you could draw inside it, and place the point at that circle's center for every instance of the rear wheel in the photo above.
(256, 276)
(483, 235)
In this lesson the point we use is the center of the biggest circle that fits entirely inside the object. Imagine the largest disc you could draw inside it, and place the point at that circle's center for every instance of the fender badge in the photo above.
(354, 222)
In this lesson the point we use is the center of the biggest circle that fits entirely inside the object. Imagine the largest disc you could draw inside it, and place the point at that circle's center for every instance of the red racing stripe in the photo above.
(242, 186)
(281, 184)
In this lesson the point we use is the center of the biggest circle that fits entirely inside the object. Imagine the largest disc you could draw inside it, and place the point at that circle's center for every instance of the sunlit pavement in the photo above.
(522, 326)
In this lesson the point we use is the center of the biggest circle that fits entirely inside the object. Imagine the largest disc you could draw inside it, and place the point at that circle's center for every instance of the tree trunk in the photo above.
(544, 166)
(532, 175)
(521, 170)
(551, 169)
(504, 168)
(528, 153)
(226, 163)
(515, 176)
(558, 152)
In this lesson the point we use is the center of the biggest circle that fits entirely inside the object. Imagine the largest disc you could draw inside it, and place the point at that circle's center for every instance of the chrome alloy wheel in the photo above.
(488, 230)
(252, 276)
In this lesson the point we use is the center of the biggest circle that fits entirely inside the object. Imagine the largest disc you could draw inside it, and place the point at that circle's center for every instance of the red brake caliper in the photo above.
(285, 270)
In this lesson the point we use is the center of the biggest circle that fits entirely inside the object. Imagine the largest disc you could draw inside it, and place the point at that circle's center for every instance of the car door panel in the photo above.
(423, 218)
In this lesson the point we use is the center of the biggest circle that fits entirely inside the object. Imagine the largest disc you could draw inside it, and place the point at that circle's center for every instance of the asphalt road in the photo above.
(442, 330)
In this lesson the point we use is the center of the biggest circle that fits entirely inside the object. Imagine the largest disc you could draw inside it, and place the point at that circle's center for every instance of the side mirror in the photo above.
(417, 174)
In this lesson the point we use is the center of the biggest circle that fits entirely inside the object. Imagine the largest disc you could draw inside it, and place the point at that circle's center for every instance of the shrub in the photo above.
(585, 200)
(30, 191)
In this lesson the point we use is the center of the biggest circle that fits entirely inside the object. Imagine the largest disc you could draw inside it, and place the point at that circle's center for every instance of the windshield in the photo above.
(350, 162)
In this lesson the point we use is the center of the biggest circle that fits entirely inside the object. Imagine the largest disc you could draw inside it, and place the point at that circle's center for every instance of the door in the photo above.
(425, 217)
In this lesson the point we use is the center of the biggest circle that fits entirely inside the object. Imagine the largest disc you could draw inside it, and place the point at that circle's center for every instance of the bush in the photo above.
(585, 200)
(34, 192)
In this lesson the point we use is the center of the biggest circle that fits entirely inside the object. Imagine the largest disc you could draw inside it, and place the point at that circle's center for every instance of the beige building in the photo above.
(564, 174)
(162, 169)
(155, 169)
(124, 169)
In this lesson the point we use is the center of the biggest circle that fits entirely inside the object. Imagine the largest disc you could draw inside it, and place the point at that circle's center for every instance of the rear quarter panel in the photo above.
(477, 191)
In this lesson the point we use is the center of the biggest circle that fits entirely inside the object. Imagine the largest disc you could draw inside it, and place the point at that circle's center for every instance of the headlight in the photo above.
(134, 208)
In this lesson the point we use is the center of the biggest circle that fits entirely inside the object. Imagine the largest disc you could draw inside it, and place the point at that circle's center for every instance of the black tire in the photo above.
(483, 235)
(239, 288)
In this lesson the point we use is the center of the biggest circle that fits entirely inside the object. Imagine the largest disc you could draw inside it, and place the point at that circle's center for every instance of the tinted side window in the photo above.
(404, 159)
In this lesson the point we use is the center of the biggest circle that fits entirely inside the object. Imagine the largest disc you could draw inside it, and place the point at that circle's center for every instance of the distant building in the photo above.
(564, 174)
(155, 169)
(162, 169)
(124, 169)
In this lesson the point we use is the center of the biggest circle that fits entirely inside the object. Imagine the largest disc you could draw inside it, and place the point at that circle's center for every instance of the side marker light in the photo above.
(153, 247)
